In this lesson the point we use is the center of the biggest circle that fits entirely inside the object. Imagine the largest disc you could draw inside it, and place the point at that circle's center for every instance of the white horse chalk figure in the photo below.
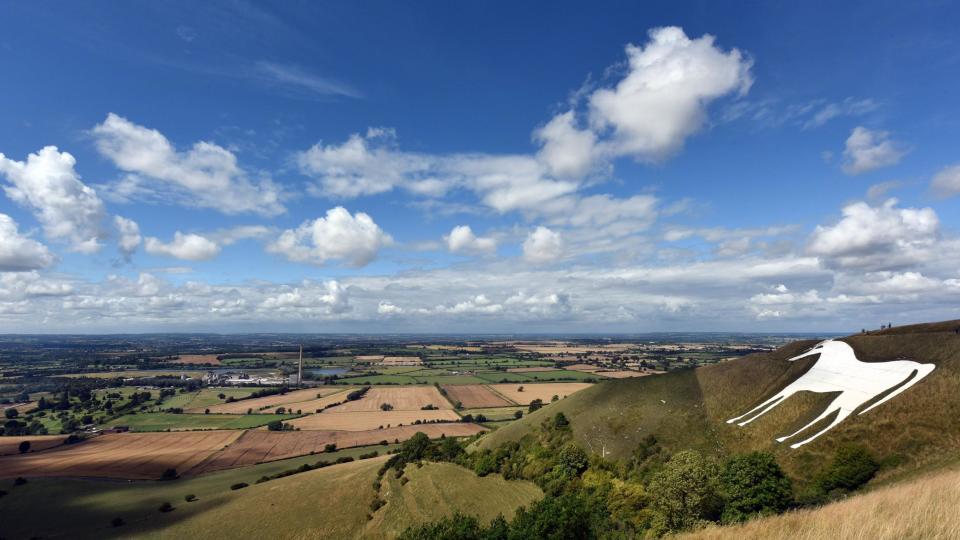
(839, 370)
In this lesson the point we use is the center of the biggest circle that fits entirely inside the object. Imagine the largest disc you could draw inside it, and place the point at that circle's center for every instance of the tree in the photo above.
(386, 407)
(574, 458)
(560, 421)
(11, 413)
(518, 414)
(169, 474)
(684, 492)
(330, 447)
(754, 485)
(416, 447)
(24, 447)
(455, 527)
(534, 405)
(275, 425)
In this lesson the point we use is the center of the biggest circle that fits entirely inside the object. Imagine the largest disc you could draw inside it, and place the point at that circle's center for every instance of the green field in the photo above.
(495, 414)
(85, 508)
(169, 421)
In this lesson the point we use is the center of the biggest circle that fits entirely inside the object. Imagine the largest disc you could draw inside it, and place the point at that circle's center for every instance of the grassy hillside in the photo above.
(688, 409)
(332, 502)
(925, 508)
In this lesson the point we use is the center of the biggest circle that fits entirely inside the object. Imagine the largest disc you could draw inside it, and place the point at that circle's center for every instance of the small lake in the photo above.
(327, 371)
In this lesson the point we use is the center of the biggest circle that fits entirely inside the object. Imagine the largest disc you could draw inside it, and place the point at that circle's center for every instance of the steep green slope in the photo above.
(689, 409)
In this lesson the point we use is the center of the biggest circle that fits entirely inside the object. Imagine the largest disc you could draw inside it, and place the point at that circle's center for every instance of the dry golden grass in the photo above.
(927, 508)
(624, 374)
(365, 420)
(542, 391)
(401, 398)
(583, 367)
(268, 404)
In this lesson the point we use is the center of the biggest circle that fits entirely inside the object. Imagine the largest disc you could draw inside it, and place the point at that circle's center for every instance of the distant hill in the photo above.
(689, 409)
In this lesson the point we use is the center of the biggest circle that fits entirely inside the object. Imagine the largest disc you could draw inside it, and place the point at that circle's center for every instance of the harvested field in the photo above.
(402, 398)
(314, 405)
(583, 367)
(543, 391)
(626, 374)
(197, 359)
(364, 420)
(475, 396)
(11, 445)
(260, 446)
(121, 455)
(270, 403)
(531, 369)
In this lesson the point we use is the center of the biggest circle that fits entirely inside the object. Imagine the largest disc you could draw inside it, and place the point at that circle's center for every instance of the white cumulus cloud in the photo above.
(189, 247)
(19, 253)
(47, 183)
(867, 150)
(355, 238)
(462, 240)
(542, 246)
(129, 233)
(207, 175)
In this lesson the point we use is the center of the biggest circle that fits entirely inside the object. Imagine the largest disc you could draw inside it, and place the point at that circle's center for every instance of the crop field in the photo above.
(314, 405)
(121, 455)
(475, 395)
(529, 369)
(197, 359)
(404, 398)
(496, 414)
(10, 445)
(542, 391)
(269, 402)
(179, 422)
(378, 379)
(364, 420)
(260, 446)
(622, 374)
(583, 367)
(206, 397)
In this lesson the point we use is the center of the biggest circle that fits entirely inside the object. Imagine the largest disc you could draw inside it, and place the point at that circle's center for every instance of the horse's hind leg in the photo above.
(840, 417)
(763, 408)
(827, 412)
(922, 372)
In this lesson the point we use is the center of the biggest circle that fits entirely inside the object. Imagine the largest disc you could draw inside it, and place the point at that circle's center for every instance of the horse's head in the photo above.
(816, 349)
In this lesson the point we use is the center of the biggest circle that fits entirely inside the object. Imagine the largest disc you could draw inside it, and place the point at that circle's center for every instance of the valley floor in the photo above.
(926, 508)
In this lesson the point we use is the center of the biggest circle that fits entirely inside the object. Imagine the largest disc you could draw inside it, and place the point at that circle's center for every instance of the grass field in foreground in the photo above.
(926, 507)
(438, 489)
(165, 421)
(84, 508)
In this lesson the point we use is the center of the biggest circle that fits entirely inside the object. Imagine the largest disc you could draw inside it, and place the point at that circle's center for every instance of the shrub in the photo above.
(684, 492)
(275, 425)
(190, 498)
(117, 522)
(19, 481)
(386, 407)
(24, 447)
(331, 447)
(166, 507)
(535, 405)
(169, 474)
(239, 485)
(404, 480)
(851, 468)
(518, 414)
(754, 485)
(11, 413)
(376, 504)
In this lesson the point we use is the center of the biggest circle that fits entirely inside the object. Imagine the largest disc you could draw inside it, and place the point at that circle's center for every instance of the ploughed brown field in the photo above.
(475, 396)
(121, 455)
(542, 391)
(258, 446)
(11, 445)
(364, 420)
(268, 404)
(197, 359)
(401, 398)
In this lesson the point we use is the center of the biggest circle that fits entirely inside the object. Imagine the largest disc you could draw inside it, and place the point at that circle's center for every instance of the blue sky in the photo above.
(485, 167)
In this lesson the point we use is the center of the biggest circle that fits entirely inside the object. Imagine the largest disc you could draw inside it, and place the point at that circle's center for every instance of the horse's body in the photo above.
(839, 370)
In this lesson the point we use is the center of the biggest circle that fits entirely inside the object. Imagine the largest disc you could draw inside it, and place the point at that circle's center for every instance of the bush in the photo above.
(239, 485)
(518, 414)
(275, 425)
(24, 447)
(754, 485)
(169, 474)
(455, 527)
(166, 507)
(331, 447)
(117, 522)
(190, 498)
(851, 468)
(386, 407)
(535, 405)
(19, 481)
(376, 504)
(11, 413)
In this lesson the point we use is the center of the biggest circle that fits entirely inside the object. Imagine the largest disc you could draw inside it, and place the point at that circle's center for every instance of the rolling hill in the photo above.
(689, 409)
